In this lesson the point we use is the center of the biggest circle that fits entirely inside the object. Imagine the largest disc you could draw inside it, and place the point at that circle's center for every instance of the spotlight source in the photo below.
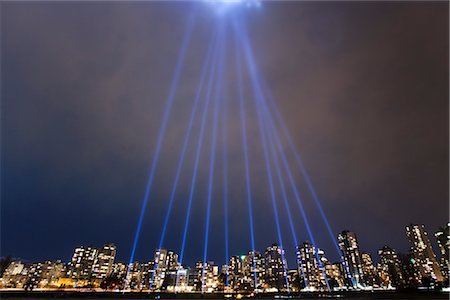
(223, 6)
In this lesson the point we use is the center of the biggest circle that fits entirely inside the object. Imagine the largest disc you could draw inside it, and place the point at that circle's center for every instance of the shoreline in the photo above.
(163, 295)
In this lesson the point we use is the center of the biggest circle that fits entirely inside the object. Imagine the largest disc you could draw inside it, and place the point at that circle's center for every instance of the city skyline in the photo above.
(214, 129)
(262, 271)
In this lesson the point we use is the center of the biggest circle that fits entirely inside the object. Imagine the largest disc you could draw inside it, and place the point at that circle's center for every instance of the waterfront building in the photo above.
(253, 271)
(443, 240)
(82, 262)
(275, 268)
(352, 257)
(11, 275)
(333, 274)
(234, 272)
(424, 258)
(120, 269)
(104, 260)
(370, 273)
(409, 270)
(310, 268)
(164, 262)
(389, 268)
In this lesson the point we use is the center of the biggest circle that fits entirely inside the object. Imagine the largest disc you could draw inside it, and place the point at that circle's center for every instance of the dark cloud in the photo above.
(363, 88)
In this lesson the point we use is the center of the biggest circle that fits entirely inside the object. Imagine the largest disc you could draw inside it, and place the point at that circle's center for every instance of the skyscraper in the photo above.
(276, 266)
(443, 240)
(390, 264)
(165, 262)
(425, 259)
(309, 267)
(104, 261)
(352, 257)
(253, 267)
(82, 262)
(234, 269)
(369, 270)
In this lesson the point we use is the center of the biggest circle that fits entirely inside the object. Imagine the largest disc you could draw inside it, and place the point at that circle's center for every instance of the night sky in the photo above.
(362, 87)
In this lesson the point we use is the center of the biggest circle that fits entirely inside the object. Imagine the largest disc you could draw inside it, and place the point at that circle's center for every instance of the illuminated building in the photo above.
(332, 272)
(443, 240)
(424, 257)
(182, 280)
(12, 274)
(293, 280)
(390, 265)
(369, 270)
(146, 274)
(234, 272)
(205, 277)
(104, 261)
(409, 270)
(165, 261)
(49, 273)
(40, 275)
(82, 262)
(134, 276)
(276, 266)
(252, 267)
(309, 267)
(120, 270)
(352, 257)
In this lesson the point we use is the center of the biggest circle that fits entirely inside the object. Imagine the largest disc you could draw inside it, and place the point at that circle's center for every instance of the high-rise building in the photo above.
(409, 270)
(369, 270)
(276, 268)
(147, 271)
(352, 257)
(182, 280)
(205, 276)
(82, 262)
(390, 265)
(310, 268)
(443, 240)
(134, 276)
(12, 274)
(253, 270)
(425, 259)
(165, 261)
(335, 280)
(120, 270)
(234, 269)
(104, 261)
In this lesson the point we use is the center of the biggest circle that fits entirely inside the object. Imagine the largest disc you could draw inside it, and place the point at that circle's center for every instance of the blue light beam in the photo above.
(206, 63)
(162, 131)
(285, 201)
(225, 171)
(257, 86)
(257, 94)
(212, 160)
(242, 115)
(306, 177)
(198, 152)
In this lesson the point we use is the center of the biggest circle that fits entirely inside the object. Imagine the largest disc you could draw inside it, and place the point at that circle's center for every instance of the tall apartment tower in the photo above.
(103, 265)
(369, 270)
(309, 267)
(82, 262)
(443, 240)
(253, 269)
(352, 257)
(234, 272)
(425, 259)
(390, 264)
(276, 267)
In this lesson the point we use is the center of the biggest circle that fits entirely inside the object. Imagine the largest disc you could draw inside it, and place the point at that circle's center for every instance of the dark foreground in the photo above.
(135, 295)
